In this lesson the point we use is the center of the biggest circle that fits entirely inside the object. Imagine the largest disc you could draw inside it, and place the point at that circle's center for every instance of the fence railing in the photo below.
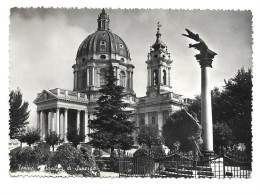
(184, 165)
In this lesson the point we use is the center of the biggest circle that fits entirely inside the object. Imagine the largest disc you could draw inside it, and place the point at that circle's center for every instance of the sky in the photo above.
(44, 43)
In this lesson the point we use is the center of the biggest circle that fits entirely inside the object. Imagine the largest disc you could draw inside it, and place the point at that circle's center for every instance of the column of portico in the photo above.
(65, 124)
(42, 125)
(38, 119)
(39, 122)
(52, 121)
(49, 121)
(146, 118)
(57, 122)
(46, 122)
(78, 121)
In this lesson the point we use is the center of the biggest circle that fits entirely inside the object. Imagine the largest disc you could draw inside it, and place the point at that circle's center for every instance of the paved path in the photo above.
(108, 174)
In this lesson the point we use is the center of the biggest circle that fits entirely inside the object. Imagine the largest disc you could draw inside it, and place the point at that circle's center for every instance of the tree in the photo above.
(30, 136)
(222, 137)
(180, 130)
(75, 138)
(112, 126)
(18, 113)
(238, 102)
(53, 139)
(149, 135)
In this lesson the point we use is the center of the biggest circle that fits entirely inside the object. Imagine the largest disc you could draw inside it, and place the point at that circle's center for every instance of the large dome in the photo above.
(103, 43)
(112, 44)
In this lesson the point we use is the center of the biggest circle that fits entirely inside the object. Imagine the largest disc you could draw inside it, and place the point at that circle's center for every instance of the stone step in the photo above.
(181, 171)
(176, 175)
(198, 168)
(205, 173)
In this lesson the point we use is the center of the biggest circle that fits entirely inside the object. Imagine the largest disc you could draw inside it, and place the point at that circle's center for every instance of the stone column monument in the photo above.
(205, 58)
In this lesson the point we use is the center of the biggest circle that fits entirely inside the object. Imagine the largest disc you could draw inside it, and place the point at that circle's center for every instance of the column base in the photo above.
(207, 152)
(207, 156)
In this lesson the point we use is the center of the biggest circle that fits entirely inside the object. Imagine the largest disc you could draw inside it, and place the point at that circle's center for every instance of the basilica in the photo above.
(61, 109)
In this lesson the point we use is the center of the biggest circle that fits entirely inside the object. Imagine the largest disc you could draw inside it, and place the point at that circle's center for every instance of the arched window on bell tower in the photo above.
(155, 77)
(102, 76)
(122, 78)
(164, 77)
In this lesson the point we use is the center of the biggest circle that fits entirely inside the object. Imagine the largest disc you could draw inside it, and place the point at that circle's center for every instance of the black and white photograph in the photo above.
(131, 93)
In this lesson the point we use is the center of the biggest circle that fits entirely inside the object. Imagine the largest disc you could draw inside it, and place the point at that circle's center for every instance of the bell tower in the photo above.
(158, 67)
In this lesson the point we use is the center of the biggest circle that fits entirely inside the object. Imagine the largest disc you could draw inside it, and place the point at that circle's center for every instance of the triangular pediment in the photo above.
(44, 96)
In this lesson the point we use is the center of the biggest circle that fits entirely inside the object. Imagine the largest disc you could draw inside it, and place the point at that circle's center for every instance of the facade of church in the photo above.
(60, 110)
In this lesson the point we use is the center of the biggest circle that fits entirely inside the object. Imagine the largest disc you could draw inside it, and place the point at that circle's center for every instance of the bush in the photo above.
(99, 161)
(45, 151)
(97, 153)
(75, 138)
(73, 161)
(101, 164)
(149, 135)
(30, 136)
(113, 164)
(25, 159)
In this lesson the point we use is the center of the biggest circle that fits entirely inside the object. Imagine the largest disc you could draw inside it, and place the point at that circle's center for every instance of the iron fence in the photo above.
(184, 165)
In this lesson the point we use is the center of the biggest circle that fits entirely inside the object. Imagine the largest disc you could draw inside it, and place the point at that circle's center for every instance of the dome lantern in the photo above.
(103, 21)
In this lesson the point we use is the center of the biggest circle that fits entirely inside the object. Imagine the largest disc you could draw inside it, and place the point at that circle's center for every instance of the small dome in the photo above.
(103, 42)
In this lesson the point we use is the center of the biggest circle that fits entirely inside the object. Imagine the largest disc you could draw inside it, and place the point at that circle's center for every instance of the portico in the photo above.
(61, 110)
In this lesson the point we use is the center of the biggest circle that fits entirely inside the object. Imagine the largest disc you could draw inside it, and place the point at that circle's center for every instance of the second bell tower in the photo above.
(158, 67)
